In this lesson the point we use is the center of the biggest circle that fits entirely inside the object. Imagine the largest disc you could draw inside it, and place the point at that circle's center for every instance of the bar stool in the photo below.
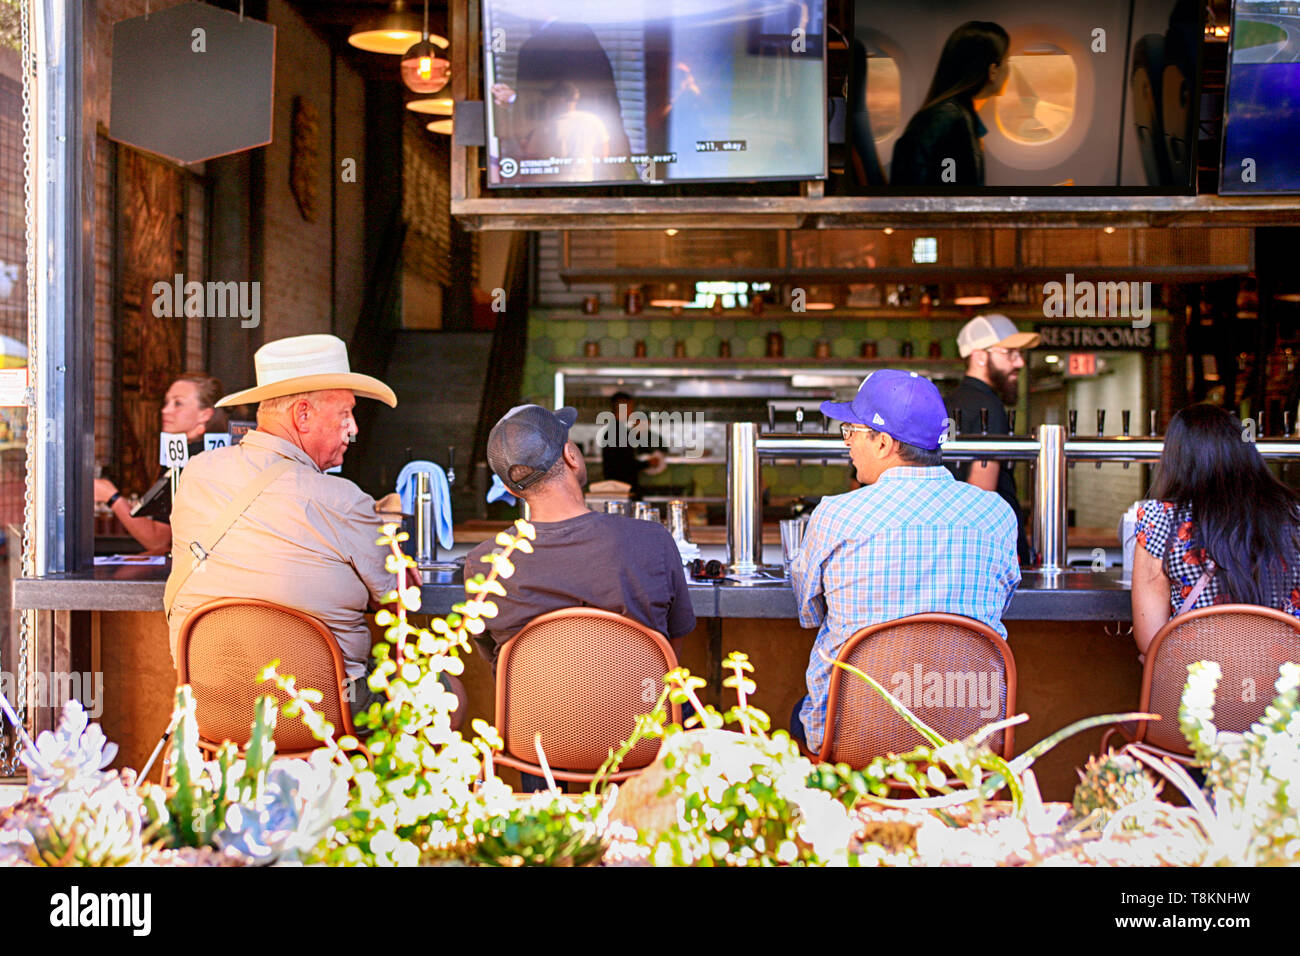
(223, 646)
(1248, 642)
(974, 669)
(579, 676)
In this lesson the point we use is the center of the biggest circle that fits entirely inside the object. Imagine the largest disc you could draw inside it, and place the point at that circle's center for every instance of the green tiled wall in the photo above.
(556, 342)
(553, 342)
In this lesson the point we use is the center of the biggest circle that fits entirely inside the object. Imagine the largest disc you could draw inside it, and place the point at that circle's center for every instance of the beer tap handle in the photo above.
(1101, 427)
(798, 420)
(984, 421)
(1011, 420)
(771, 417)
(1074, 421)
(451, 465)
(960, 427)
(1151, 417)
(1263, 422)
(826, 424)
(1286, 422)
(1124, 417)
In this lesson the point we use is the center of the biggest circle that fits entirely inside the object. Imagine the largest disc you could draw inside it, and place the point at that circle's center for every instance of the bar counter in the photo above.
(1070, 596)
(1070, 661)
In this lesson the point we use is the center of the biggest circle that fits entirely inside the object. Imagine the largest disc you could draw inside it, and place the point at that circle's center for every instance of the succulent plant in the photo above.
(291, 814)
(99, 827)
(1109, 783)
(546, 830)
(71, 757)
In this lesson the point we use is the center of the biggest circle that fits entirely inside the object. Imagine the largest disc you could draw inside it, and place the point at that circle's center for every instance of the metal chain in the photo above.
(10, 765)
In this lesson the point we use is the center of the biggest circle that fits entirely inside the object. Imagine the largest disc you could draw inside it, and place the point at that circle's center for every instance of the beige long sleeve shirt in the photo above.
(307, 541)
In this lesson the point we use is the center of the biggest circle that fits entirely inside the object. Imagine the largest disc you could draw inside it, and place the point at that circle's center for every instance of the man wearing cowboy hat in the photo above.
(306, 539)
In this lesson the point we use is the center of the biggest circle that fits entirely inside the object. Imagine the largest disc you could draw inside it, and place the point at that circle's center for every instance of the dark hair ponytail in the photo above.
(1246, 520)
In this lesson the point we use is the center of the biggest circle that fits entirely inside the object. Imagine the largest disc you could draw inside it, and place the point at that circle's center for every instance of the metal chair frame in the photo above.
(975, 628)
(529, 633)
(313, 626)
(1135, 735)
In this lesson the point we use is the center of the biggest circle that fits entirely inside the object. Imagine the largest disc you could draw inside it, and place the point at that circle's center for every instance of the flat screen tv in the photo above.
(610, 92)
(1094, 98)
(1261, 117)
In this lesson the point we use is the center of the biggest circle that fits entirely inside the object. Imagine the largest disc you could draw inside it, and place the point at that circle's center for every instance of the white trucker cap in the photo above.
(993, 331)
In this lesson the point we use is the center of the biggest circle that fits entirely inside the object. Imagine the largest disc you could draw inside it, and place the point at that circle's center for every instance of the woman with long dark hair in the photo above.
(1218, 528)
(973, 65)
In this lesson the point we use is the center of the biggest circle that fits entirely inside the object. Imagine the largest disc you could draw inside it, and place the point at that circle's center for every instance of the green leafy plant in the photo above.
(929, 767)
(1109, 783)
(1250, 817)
(415, 794)
(742, 799)
(548, 830)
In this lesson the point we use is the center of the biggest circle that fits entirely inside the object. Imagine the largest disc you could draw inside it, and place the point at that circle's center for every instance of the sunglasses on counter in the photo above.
(702, 570)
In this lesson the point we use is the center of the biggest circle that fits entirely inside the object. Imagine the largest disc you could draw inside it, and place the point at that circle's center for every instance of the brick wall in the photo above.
(296, 277)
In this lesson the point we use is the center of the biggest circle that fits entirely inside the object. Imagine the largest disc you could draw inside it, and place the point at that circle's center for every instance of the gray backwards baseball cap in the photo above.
(531, 436)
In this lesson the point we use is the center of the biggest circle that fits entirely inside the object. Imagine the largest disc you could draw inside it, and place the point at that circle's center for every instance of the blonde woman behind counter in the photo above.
(188, 407)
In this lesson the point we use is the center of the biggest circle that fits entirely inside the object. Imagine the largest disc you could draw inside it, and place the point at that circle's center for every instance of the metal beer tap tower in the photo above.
(1050, 448)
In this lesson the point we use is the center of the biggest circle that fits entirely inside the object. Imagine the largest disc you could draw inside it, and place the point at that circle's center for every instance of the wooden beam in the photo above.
(859, 212)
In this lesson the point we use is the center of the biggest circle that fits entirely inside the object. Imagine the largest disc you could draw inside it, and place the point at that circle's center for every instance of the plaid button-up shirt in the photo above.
(915, 541)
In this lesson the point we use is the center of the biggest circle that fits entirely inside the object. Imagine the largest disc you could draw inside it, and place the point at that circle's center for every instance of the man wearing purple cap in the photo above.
(912, 540)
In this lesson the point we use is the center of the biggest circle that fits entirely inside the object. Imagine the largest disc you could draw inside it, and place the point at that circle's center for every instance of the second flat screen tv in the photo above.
(585, 93)
(965, 96)
(1261, 124)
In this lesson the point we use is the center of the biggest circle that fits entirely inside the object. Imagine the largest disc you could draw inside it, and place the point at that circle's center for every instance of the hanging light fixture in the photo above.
(432, 105)
(440, 126)
(392, 31)
(422, 69)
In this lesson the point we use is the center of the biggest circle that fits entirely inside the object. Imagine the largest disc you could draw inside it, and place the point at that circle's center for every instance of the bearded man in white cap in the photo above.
(305, 540)
(993, 349)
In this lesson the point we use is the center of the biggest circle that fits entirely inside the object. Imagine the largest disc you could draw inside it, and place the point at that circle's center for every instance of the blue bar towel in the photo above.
(499, 492)
(441, 497)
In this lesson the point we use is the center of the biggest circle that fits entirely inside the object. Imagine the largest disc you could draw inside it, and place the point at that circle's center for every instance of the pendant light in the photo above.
(422, 69)
(433, 105)
(392, 31)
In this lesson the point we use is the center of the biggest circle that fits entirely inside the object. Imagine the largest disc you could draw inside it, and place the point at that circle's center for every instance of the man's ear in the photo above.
(572, 455)
(301, 415)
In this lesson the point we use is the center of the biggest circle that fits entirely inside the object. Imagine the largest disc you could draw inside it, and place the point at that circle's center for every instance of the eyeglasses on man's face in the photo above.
(1014, 356)
(847, 429)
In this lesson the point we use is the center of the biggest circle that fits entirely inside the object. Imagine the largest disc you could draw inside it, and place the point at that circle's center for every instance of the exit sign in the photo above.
(1081, 363)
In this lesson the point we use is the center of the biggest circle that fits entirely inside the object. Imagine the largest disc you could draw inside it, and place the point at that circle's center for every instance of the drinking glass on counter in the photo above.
(792, 530)
(616, 508)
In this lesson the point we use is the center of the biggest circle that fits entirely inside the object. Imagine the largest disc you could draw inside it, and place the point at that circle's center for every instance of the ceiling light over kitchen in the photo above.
(392, 31)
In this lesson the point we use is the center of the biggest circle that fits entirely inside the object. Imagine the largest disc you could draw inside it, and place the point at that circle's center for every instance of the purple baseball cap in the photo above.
(904, 405)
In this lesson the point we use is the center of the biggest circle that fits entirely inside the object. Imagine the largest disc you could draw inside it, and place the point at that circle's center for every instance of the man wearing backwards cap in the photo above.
(911, 540)
(991, 346)
(584, 558)
(307, 540)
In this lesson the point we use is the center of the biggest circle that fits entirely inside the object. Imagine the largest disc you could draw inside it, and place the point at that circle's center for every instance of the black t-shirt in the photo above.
(612, 562)
(619, 450)
(971, 396)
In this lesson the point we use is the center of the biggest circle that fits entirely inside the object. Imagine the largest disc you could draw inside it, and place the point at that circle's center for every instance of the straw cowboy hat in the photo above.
(307, 363)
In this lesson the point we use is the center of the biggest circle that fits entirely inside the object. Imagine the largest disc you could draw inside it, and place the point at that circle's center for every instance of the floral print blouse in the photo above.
(1160, 521)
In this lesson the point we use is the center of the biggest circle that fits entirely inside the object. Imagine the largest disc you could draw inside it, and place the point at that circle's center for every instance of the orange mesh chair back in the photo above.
(223, 646)
(579, 676)
(954, 673)
(1247, 641)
